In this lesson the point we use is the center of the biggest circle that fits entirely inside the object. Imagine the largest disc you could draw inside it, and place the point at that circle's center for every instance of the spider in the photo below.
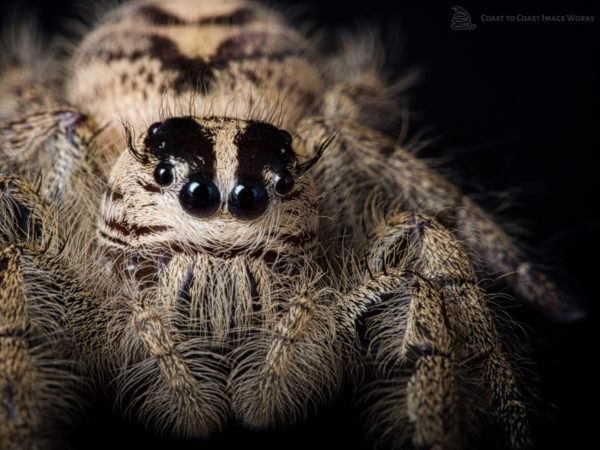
(205, 216)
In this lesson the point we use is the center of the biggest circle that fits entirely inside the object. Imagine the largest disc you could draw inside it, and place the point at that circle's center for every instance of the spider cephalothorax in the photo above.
(201, 271)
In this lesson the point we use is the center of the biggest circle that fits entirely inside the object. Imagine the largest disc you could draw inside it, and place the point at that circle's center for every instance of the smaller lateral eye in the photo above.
(152, 129)
(284, 183)
(163, 174)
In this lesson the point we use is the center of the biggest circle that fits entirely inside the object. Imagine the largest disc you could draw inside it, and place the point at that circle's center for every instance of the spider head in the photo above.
(211, 184)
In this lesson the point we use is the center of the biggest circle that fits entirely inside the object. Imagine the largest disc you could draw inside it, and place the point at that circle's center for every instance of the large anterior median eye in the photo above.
(199, 196)
(248, 200)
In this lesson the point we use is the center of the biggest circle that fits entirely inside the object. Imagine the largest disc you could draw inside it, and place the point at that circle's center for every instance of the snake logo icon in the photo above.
(461, 20)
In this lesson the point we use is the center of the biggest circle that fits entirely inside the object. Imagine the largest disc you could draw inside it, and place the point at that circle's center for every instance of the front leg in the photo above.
(61, 149)
(37, 363)
(298, 360)
(164, 373)
(438, 357)
(368, 173)
(19, 377)
(211, 338)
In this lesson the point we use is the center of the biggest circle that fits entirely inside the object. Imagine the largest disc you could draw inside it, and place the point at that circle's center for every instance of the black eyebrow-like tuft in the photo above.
(263, 145)
(184, 139)
(140, 157)
(325, 142)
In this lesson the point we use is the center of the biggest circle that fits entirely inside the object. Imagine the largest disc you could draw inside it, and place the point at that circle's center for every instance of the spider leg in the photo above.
(60, 149)
(37, 378)
(434, 325)
(297, 363)
(368, 172)
(163, 375)
(19, 413)
(176, 398)
(476, 327)
(431, 390)
(24, 216)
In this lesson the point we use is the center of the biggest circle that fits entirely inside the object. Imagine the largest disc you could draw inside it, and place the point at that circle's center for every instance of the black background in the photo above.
(513, 108)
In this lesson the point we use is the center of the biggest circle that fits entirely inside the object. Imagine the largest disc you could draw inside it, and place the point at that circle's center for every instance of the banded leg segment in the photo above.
(446, 330)
(36, 384)
(295, 365)
(19, 415)
(368, 174)
(62, 149)
(39, 297)
(163, 380)
(22, 213)
(475, 326)
(432, 404)
(415, 397)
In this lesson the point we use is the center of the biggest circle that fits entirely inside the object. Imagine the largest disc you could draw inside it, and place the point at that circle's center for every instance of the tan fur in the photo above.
(388, 177)
(198, 321)
(138, 91)
(36, 354)
(221, 231)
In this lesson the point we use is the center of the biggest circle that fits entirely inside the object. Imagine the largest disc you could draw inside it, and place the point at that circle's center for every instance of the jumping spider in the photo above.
(163, 235)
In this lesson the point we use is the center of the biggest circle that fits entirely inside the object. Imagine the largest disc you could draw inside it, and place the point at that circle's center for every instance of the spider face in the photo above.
(210, 184)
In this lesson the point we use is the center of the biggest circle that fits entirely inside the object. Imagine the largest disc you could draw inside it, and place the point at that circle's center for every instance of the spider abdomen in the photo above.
(230, 58)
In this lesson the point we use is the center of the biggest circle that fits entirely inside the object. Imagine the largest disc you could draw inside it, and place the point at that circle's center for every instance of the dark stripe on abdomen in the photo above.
(154, 15)
(237, 18)
(194, 72)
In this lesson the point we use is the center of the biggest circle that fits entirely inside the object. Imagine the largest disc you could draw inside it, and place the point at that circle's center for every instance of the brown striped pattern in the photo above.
(200, 72)
(149, 187)
(154, 15)
(130, 229)
(241, 46)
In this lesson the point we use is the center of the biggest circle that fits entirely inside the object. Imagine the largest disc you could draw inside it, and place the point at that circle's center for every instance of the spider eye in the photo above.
(284, 183)
(163, 174)
(248, 200)
(152, 129)
(199, 196)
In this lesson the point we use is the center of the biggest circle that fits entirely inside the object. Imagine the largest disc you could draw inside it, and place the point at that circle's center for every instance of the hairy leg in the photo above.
(37, 366)
(42, 137)
(209, 338)
(299, 352)
(19, 416)
(368, 174)
(428, 335)
(298, 365)
(163, 375)
(165, 386)
(59, 150)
